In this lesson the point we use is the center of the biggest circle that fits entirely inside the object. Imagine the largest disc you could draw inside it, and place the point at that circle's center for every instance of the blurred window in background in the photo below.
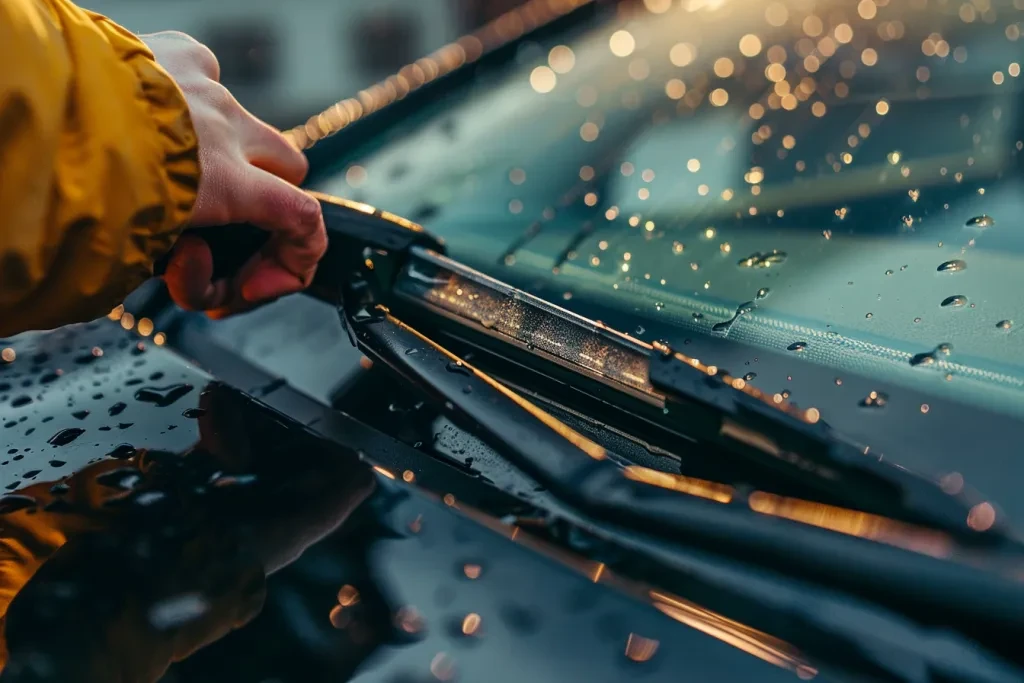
(248, 52)
(383, 42)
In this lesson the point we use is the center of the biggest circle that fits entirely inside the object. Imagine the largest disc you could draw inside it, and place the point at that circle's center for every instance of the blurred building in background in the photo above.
(288, 59)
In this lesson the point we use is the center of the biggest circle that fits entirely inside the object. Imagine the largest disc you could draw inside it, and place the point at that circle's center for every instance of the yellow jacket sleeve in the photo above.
(99, 164)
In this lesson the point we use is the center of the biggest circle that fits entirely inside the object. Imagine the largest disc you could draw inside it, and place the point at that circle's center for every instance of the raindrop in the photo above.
(982, 221)
(888, 272)
(1004, 324)
(954, 266)
(763, 260)
(411, 351)
(193, 412)
(457, 367)
(923, 359)
(741, 310)
(763, 293)
(21, 401)
(658, 305)
(697, 316)
(57, 463)
(875, 399)
(162, 396)
(640, 329)
(122, 452)
(116, 409)
(869, 315)
(797, 346)
(749, 376)
(956, 301)
(65, 436)
(80, 414)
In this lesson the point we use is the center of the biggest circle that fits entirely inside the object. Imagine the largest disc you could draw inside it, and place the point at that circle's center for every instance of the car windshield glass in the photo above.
(781, 185)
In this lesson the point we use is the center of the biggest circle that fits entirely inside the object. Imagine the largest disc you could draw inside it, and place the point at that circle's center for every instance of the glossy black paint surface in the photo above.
(151, 532)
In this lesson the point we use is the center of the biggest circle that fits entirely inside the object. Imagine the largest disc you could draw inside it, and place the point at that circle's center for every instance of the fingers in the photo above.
(189, 276)
(267, 149)
(298, 237)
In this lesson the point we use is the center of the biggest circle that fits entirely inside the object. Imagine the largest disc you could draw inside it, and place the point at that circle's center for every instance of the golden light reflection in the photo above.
(543, 79)
(720, 493)
(743, 637)
(622, 43)
(159, 339)
(682, 54)
(750, 45)
(981, 517)
(640, 649)
(853, 523)
(562, 59)
(8, 355)
(471, 624)
(386, 473)
(145, 327)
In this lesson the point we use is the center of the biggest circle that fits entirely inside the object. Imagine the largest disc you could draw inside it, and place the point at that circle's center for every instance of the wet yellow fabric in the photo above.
(99, 164)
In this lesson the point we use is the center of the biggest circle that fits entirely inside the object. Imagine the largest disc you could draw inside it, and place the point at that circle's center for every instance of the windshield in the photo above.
(779, 185)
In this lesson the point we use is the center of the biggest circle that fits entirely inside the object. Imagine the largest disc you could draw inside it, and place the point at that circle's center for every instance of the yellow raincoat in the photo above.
(99, 164)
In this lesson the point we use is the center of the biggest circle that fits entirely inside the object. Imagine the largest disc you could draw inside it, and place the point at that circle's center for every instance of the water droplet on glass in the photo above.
(640, 329)
(193, 412)
(80, 414)
(875, 399)
(888, 272)
(116, 409)
(749, 376)
(658, 305)
(923, 359)
(20, 401)
(1004, 324)
(763, 293)
(797, 346)
(954, 266)
(162, 396)
(697, 316)
(763, 259)
(956, 301)
(869, 315)
(65, 436)
(982, 221)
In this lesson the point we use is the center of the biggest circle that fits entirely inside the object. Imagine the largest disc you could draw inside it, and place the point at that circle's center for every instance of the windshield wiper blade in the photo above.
(702, 403)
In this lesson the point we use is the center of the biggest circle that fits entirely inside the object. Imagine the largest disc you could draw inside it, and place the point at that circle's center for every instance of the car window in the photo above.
(837, 184)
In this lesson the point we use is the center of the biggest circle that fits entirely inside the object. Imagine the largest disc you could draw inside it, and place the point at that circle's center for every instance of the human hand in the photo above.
(249, 175)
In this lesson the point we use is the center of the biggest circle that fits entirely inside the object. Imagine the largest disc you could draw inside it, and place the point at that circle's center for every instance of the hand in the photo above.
(249, 175)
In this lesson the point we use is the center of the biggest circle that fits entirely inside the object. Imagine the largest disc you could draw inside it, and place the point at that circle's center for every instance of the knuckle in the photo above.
(206, 60)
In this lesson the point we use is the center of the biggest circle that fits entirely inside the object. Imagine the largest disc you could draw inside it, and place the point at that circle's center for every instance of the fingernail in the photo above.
(311, 212)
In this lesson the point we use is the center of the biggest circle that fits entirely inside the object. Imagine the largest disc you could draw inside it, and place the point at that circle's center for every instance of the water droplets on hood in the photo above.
(162, 396)
(65, 436)
(797, 346)
(875, 399)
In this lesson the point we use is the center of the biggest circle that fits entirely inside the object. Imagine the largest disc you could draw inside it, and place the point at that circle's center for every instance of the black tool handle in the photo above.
(231, 245)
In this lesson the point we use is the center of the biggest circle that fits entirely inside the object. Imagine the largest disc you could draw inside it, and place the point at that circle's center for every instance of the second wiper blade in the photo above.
(699, 402)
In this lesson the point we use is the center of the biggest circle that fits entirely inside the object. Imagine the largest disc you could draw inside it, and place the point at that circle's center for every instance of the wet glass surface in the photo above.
(771, 185)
